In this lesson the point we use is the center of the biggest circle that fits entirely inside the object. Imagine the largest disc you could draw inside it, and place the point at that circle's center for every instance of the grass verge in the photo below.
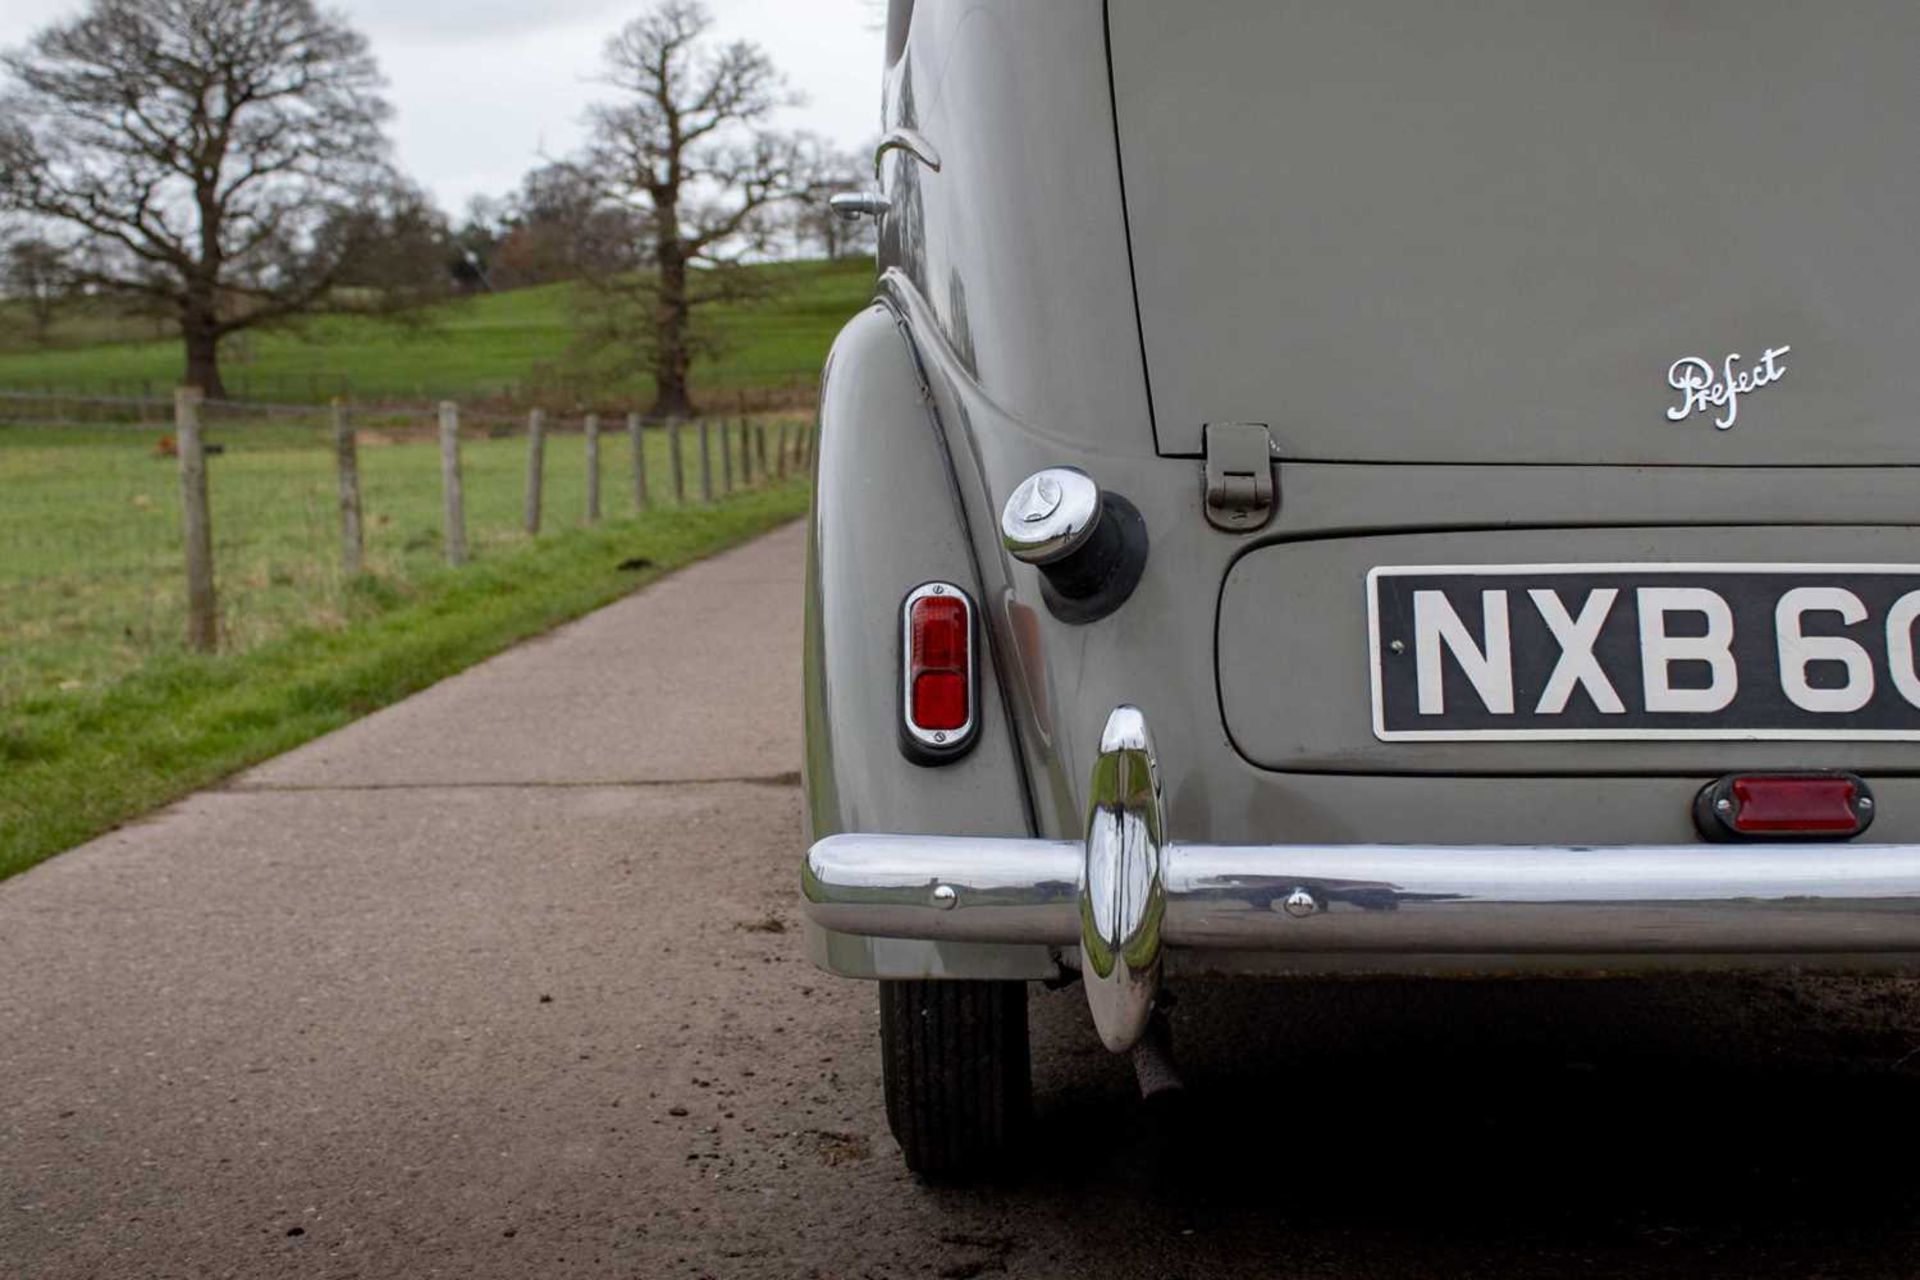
(75, 765)
(514, 343)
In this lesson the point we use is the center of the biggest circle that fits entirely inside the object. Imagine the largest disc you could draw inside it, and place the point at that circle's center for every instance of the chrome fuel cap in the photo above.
(1051, 515)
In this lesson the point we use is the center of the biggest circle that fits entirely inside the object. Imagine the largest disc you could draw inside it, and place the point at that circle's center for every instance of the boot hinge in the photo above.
(1241, 490)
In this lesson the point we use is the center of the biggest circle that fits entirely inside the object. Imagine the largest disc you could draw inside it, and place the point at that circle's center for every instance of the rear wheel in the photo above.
(954, 1058)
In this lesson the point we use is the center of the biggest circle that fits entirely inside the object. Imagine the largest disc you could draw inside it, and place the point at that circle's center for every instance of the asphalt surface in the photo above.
(507, 981)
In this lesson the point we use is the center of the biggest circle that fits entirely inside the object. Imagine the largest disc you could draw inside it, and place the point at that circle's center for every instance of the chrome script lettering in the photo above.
(1702, 387)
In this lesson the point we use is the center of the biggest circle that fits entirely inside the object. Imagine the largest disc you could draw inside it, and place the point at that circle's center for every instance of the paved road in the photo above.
(504, 981)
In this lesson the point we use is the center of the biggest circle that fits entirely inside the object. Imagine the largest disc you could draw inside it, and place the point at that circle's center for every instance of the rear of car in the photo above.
(1559, 242)
(1514, 404)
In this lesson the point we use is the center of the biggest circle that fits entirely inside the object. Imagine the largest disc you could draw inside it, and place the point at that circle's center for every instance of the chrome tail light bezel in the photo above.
(929, 745)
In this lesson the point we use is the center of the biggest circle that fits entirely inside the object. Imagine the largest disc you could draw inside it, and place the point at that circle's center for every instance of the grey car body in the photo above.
(1445, 264)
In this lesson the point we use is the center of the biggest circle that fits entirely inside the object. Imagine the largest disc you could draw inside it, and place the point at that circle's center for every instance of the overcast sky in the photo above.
(483, 88)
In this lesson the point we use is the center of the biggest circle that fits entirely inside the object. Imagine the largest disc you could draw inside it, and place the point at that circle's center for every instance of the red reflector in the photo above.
(940, 700)
(1763, 804)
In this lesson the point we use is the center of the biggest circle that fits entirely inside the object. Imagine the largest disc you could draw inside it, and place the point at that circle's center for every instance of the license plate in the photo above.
(1652, 651)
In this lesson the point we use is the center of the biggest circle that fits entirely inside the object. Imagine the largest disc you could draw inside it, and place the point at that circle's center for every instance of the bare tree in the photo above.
(476, 244)
(34, 274)
(561, 226)
(191, 151)
(688, 150)
(393, 251)
(823, 170)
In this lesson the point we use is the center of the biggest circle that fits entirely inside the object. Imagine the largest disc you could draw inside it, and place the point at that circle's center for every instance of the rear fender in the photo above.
(886, 517)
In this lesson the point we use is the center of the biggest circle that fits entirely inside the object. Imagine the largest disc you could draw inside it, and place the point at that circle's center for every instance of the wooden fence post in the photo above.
(706, 464)
(781, 466)
(347, 457)
(746, 455)
(636, 436)
(726, 456)
(593, 467)
(760, 448)
(536, 466)
(203, 617)
(452, 496)
(673, 460)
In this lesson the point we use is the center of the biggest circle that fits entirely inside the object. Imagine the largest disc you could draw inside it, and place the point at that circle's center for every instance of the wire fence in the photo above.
(128, 523)
(748, 392)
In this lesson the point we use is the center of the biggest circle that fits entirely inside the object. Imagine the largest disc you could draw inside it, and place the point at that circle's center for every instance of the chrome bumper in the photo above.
(1126, 894)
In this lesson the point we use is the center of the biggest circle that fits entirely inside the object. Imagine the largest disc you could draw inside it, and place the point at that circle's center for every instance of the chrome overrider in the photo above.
(1123, 897)
(1126, 893)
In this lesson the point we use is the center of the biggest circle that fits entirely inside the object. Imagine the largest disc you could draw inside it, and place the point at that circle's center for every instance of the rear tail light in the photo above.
(938, 677)
(1784, 806)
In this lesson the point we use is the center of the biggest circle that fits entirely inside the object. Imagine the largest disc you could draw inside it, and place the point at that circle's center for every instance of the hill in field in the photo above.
(491, 345)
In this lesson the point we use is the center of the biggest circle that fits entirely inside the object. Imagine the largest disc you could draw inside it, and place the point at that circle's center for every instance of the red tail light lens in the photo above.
(937, 652)
(939, 633)
(1786, 805)
(939, 700)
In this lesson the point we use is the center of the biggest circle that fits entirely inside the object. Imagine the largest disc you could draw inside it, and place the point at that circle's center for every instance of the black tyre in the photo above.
(954, 1057)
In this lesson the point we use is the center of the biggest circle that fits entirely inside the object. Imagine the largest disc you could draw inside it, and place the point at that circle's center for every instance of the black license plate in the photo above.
(1654, 651)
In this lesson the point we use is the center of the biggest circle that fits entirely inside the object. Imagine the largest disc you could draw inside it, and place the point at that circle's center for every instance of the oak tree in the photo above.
(688, 149)
(196, 155)
(33, 275)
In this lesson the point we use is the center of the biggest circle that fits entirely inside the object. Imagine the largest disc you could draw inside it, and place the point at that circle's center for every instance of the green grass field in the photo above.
(103, 713)
(91, 585)
(505, 344)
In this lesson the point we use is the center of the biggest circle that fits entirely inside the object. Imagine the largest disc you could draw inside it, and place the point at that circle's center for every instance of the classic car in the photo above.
(1352, 489)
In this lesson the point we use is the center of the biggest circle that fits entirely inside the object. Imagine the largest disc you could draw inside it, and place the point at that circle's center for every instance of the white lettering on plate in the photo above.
(1488, 664)
(1577, 665)
(1900, 620)
(1703, 388)
(1659, 650)
(1797, 649)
